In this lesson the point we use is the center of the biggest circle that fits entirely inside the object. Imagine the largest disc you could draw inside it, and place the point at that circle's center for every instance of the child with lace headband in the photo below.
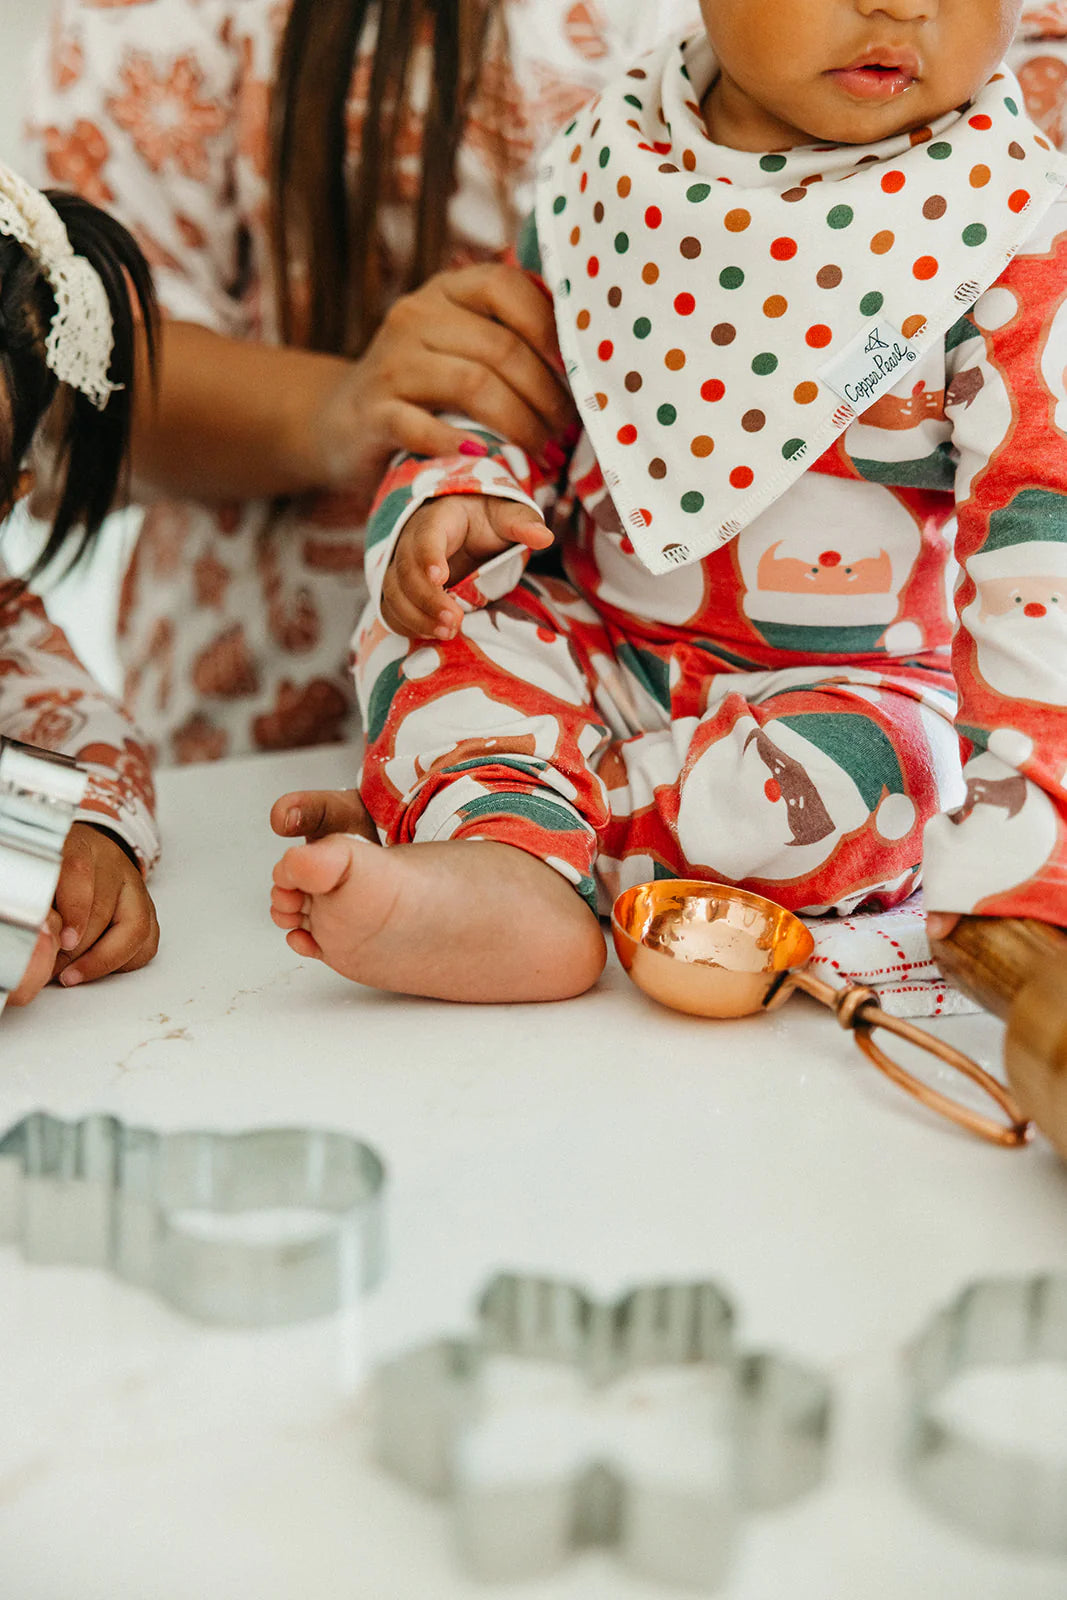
(73, 290)
(810, 277)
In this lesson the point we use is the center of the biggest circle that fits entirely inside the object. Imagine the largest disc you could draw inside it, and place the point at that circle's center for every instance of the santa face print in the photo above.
(1018, 617)
(1010, 825)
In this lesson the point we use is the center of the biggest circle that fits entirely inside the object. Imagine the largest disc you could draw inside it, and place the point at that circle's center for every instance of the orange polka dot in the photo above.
(925, 268)
(913, 325)
(689, 160)
(738, 221)
(819, 336)
(805, 393)
(776, 306)
(702, 445)
(674, 360)
(576, 153)
(583, 320)
(650, 272)
(883, 242)
(576, 234)
(980, 176)
(623, 188)
(601, 401)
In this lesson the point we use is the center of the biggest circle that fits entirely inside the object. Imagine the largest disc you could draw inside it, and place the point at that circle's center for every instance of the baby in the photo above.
(810, 276)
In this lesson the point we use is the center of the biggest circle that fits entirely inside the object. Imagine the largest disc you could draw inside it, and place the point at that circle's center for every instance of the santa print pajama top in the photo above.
(787, 712)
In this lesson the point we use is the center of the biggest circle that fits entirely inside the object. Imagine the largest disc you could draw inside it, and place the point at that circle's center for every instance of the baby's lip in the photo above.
(905, 62)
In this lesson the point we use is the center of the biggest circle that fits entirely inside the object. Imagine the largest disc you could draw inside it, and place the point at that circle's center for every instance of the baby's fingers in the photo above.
(129, 942)
(76, 891)
(519, 524)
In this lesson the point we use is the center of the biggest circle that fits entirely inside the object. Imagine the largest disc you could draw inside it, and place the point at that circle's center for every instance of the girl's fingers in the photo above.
(75, 891)
(131, 940)
(455, 382)
(511, 297)
(500, 349)
(420, 433)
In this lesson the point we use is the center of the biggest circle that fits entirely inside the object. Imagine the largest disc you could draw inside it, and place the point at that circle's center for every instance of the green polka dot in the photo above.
(605, 156)
(731, 277)
(667, 415)
(622, 243)
(1011, 105)
(692, 502)
(565, 287)
(792, 448)
(939, 151)
(841, 217)
(765, 364)
(632, 100)
(872, 303)
(569, 129)
(698, 192)
(559, 204)
(977, 233)
(642, 328)
(772, 163)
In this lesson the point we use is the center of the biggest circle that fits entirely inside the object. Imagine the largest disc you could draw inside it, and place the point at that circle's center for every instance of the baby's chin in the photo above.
(831, 122)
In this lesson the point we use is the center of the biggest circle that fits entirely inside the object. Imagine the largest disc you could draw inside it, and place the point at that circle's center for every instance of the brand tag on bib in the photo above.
(874, 361)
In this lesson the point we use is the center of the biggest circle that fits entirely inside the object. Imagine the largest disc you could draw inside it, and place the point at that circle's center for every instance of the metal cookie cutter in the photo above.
(1008, 1496)
(271, 1226)
(40, 793)
(565, 1423)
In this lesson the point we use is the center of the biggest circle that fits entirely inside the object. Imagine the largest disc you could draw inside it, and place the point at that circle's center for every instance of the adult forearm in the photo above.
(231, 420)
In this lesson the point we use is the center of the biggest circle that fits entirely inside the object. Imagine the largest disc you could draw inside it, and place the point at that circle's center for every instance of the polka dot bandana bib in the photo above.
(724, 315)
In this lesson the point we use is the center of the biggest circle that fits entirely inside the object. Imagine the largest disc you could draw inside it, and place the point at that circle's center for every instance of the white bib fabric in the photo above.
(724, 315)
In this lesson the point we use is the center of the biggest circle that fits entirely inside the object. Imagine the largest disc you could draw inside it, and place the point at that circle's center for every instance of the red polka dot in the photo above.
(685, 305)
(584, 184)
(982, 123)
(784, 249)
(1019, 201)
(653, 217)
(605, 350)
(742, 478)
(627, 435)
(893, 182)
(593, 266)
(646, 517)
(713, 390)
(773, 790)
(819, 336)
(926, 267)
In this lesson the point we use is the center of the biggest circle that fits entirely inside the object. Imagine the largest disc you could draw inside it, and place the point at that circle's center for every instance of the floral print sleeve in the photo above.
(48, 699)
(133, 106)
(1005, 852)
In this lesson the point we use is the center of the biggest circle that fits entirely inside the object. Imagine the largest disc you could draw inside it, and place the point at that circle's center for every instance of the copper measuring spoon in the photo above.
(715, 951)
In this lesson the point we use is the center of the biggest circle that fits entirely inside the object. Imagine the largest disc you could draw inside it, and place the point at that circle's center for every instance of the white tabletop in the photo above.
(143, 1457)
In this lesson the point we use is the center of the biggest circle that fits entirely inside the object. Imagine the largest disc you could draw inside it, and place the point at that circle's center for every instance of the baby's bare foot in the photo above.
(460, 920)
(315, 813)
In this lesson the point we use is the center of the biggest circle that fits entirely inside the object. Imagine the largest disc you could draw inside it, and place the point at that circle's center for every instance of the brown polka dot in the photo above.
(723, 333)
(829, 277)
(816, 177)
(753, 421)
(689, 160)
(650, 272)
(657, 468)
(690, 248)
(615, 297)
(1016, 151)
(775, 306)
(935, 208)
(702, 445)
(623, 187)
(598, 211)
(583, 320)
(883, 242)
(634, 381)
(674, 360)
(913, 325)
(738, 220)
(576, 234)
(795, 194)
(637, 72)
(668, 166)
(595, 129)
(805, 393)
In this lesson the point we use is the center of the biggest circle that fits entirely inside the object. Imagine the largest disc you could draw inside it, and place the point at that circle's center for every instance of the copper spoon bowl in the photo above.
(714, 951)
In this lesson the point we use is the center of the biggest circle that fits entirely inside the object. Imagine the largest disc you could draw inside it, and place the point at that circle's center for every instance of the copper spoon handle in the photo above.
(857, 1009)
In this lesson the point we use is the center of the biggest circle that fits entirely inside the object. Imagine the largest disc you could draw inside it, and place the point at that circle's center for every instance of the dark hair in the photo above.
(327, 218)
(90, 449)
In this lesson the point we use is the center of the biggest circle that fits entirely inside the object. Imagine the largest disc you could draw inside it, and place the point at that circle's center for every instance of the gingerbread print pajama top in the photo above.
(812, 542)
(235, 628)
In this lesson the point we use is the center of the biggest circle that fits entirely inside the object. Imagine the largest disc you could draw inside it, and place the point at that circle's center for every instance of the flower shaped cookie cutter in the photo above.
(270, 1226)
(999, 1492)
(39, 797)
(565, 1423)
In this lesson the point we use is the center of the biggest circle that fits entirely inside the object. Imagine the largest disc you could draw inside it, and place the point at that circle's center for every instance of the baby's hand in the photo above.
(444, 542)
(107, 919)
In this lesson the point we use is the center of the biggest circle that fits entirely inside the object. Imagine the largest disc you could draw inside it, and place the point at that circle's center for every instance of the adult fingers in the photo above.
(313, 813)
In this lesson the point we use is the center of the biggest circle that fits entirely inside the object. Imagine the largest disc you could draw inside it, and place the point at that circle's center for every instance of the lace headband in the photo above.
(80, 340)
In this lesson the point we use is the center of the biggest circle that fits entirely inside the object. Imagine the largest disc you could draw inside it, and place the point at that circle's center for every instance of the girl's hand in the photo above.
(107, 922)
(480, 340)
(444, 541)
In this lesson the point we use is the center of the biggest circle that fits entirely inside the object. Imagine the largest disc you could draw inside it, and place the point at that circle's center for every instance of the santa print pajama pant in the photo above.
(617, 760)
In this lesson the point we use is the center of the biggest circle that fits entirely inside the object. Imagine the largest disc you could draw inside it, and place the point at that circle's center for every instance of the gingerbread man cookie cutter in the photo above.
(40, 793)
(271, 1226)
(565, 1423)
(999, 1492)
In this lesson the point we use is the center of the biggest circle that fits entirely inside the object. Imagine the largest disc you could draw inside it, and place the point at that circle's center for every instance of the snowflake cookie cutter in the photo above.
(249, 1229)
(40, 793)
(566, 1423)
(1004, 1495)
